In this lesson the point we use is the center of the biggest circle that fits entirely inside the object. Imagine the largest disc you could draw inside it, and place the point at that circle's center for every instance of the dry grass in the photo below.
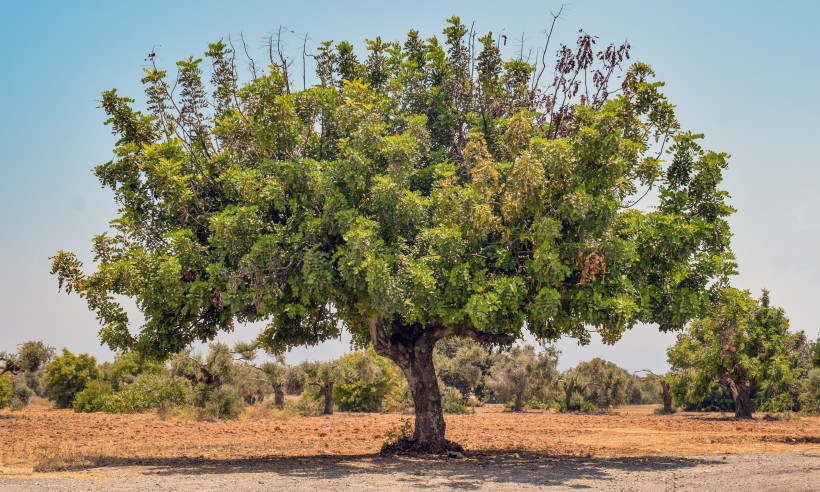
(45, 439)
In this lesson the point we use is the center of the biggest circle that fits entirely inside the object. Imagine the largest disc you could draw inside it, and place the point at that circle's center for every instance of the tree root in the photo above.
(415, 447)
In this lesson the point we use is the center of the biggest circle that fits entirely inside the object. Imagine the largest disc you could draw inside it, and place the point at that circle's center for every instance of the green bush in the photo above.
(93, 398)
(810, 392)
(579, 403)
(716, 397)
(148, 392)
(222, 403)
(5, 390)
(20, 392)
(126, 367)
(309, 404)
(452, 401)
(69, 374)
(368, 381)
(608, 384)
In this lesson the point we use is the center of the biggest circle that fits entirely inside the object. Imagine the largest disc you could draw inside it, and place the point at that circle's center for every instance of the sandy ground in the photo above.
(45, 449)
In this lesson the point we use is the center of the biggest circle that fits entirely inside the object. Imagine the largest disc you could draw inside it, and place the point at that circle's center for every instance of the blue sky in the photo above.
(743, 73)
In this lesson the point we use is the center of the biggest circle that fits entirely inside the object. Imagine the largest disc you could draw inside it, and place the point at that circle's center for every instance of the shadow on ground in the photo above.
(467, 473)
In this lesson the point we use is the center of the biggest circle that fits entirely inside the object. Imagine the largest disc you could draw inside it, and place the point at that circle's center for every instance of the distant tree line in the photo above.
(743, 359)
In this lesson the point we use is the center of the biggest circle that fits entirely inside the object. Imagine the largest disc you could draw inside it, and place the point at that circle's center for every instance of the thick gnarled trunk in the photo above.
(412, 351)
(742, 398)
(666, 394)
(421, 379)
(327, 388)
(518, 402)
(411, 348)
(279, 397)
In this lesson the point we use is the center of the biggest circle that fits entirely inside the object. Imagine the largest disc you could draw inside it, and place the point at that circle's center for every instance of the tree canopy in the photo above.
(430, 189)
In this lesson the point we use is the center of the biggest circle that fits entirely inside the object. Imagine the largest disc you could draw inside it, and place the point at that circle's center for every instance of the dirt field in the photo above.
(59, 449)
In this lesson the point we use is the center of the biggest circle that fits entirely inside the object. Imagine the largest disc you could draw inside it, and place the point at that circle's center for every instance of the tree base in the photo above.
(414, 447)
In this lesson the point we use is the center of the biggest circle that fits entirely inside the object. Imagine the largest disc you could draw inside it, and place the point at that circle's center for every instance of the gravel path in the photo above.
(793, 472)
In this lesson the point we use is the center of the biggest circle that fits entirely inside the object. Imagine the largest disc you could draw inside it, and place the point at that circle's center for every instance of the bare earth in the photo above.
(46, 449)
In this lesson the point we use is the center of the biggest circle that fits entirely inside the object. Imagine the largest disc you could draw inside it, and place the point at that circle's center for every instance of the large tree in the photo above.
(430, 190)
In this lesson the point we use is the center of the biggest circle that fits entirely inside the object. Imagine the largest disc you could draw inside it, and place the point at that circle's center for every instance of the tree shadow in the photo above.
(471, 472)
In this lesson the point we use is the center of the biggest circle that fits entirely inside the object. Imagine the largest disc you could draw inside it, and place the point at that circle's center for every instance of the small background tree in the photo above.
(369, 383)
(521, 375)
(743, 344)
(68, 374)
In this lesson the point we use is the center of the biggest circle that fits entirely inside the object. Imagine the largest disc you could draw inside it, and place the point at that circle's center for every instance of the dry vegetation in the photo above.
(44, 439)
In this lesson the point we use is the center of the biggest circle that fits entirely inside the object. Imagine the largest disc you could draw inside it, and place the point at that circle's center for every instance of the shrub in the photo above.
(126, 367)
(463, 364)
(579, 403)
(5, 390)
(810, 394)
(309, 404)
(521, 375)
(608, 384)
(148, 392)
(93, 398)
(367, 382)
(69, 374)
(222, 403)
(452, 401)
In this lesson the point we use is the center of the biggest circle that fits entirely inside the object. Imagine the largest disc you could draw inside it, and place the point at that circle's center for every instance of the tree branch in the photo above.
(479, 336)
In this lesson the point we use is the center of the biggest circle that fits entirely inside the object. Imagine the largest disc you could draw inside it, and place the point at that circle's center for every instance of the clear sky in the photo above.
(744, 73)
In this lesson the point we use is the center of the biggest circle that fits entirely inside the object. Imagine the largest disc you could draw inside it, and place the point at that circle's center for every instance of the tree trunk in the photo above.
(279, 397)
(328, 389)
(519, 402)
(742, 398)
(666, 394)
(421, 379)
(411, 348)
(413, 353)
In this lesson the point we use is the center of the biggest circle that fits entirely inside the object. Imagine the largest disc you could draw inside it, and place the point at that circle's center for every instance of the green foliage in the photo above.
(714, 398)
(465, 365)
(452, 401)
(810, 394)
(607, 384)
(405, 197)
(579, 403)
(309, 403)
(222, 403)
(369, 383)
(94, 398)
(30, 357)
(250, 383)
(399, 433)
(25, 371)
(814, 353)
(148, 392)
(745, 344)
(5, 390)
(650, 390)
(396, 190)
(126, 367)
(69, 374)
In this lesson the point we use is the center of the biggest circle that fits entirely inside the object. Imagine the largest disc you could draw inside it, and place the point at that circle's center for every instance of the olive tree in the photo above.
(464, 365)
(427, 190)
(30, 357)
(521, 374)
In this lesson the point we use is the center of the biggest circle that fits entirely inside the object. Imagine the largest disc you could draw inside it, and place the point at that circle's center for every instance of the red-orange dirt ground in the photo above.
(49, 439)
